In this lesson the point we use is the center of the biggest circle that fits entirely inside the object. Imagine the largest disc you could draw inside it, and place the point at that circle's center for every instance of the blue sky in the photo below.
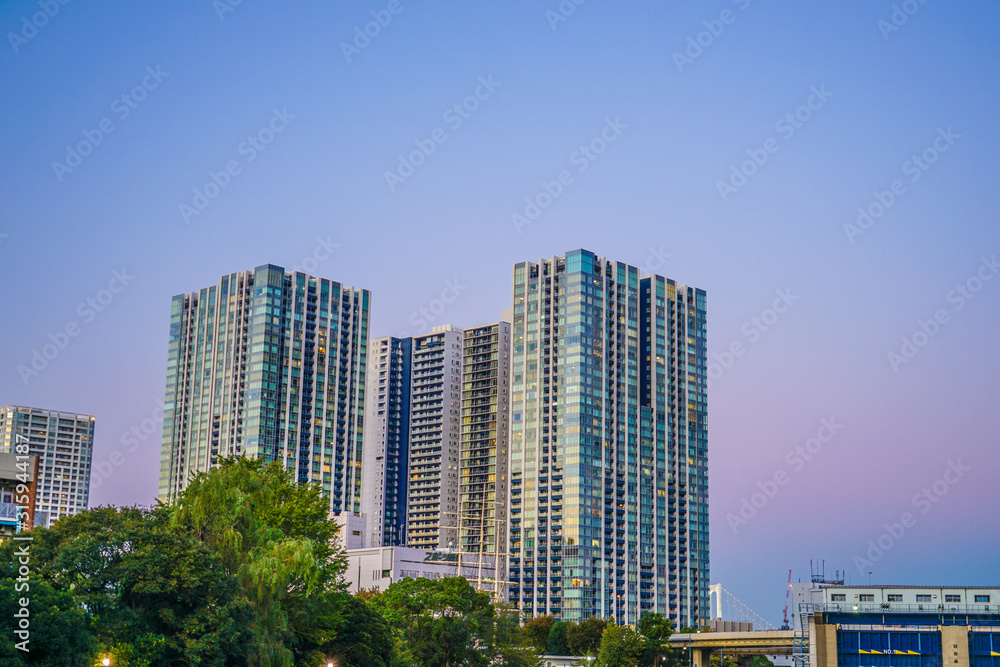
(335, 120)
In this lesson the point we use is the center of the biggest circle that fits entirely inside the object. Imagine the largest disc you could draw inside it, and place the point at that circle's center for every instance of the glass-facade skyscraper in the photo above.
(268, 363)
(609, 448)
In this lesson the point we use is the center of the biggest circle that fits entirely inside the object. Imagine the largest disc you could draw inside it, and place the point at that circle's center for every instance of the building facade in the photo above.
(483, 483)
(903, 626)
(63, 442)
(379, 567)
(268, 363)
(609, 458)
(18, 491)
(386, 441)
(435, 436)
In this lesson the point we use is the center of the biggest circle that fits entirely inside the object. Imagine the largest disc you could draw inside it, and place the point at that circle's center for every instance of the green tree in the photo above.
(146, 595)
(436, 621)
(364, 639)
(656, 629)
(242, 570)
(621, 646)
(503, 641)
(557, 639)
(446, 622)
(584, 638)
(535, 631)
(151, 596)
(59, 632)
(275, 538)
(368, 594)
(723, 661)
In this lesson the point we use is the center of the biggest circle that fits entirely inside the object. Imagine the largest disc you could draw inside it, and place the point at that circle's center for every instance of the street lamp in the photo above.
(106, 661)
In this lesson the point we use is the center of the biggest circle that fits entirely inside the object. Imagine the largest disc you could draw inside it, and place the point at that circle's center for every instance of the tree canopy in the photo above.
(621, 646)
(446, 622)
(241, 570)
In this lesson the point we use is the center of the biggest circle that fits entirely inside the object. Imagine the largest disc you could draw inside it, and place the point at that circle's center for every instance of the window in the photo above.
(982, 598)
(867, 597)
(923, 598)
(894, 597)
(952, 598)
(838, 597)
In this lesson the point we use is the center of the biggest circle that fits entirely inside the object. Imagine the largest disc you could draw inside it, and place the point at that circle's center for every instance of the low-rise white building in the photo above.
(353, 529)
(379, 567)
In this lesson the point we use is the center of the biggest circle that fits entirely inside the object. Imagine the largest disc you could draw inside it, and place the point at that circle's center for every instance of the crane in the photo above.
(788, 594)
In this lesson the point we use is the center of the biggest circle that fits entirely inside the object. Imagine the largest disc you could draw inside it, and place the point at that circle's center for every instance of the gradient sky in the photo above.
(651, 198)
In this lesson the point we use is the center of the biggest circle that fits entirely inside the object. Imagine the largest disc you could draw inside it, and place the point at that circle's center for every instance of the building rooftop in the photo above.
(880, 586)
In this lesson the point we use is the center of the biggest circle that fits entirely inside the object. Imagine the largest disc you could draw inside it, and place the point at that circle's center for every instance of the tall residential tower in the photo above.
(485, 451)
(268, 363)
(609, 485)
(64, 445)
(435, 407)
(386, 442)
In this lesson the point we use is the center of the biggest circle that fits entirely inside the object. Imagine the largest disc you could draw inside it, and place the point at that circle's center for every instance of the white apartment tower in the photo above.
(485, 450)
(64, 445)
(435, 439)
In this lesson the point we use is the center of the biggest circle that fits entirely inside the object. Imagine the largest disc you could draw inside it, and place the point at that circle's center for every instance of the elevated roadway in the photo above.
(762, 642)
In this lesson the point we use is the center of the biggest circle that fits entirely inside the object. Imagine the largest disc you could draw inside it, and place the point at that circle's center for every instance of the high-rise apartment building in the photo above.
(268, 363)
(64, 445)
(435, 436)
(485, 449)
(609, 458)
(386, 441)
